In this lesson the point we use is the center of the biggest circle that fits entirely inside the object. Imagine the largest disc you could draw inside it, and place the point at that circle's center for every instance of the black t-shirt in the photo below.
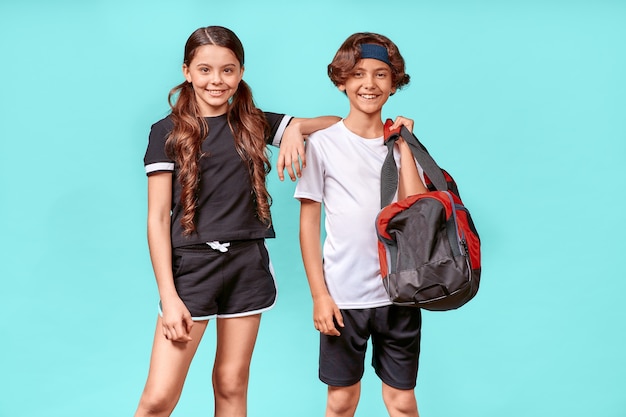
(226, 209)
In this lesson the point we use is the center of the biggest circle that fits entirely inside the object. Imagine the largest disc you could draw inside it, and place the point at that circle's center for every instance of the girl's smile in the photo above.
(215, 73)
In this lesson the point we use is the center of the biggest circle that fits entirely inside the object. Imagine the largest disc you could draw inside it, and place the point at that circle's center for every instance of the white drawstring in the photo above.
(222, 247)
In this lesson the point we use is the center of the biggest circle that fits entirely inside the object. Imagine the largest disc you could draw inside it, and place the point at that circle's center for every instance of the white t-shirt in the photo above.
(343, 173)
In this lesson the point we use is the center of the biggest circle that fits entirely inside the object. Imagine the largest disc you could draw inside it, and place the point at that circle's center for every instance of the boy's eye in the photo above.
(358, 74)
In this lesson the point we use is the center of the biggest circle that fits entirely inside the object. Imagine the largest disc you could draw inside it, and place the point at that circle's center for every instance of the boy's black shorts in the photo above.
(395, 332)
(237, 282)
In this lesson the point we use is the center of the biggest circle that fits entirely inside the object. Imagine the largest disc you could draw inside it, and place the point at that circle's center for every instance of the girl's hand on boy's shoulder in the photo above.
(291, 154)
(403, 121)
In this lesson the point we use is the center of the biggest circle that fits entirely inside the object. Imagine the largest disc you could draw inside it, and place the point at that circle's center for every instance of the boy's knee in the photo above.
(399, 401)
(342, 401)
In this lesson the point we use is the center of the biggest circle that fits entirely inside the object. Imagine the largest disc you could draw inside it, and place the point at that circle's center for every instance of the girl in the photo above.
(208, 216)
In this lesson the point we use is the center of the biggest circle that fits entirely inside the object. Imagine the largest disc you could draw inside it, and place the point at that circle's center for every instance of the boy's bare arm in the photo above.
(409, 181)
(325, 311)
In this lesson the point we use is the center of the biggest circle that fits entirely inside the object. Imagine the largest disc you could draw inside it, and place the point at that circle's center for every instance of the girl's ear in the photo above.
(186, 73)
(240, 76)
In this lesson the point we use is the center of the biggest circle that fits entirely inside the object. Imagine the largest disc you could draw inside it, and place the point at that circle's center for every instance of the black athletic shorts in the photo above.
(395, 332)
(232, 283)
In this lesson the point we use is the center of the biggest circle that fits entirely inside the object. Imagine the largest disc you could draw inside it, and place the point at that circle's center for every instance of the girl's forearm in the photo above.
(306, 126)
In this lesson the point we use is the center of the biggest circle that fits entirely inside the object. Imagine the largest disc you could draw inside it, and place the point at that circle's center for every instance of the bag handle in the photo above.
(389, 171)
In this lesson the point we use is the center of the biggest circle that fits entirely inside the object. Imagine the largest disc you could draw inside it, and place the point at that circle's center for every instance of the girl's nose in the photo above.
(215, 78)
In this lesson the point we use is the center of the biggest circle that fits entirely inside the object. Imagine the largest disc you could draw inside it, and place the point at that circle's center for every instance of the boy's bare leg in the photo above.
(342, 401)
(400, 402)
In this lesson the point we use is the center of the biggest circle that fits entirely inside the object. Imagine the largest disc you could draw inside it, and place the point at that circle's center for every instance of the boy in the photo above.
(343, 172)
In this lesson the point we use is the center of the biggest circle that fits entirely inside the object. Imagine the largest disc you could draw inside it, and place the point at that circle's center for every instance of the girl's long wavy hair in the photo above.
(246, 121)
(349, 54)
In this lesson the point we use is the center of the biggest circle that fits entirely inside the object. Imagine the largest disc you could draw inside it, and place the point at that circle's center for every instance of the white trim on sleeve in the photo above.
(159, 166)
(281, 129)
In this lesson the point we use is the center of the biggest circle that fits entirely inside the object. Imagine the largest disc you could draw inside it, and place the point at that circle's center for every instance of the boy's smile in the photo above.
(369, 86)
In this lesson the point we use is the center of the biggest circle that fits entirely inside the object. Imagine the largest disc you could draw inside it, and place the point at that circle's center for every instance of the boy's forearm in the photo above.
(313, 266)
(409, 181)
(310, 217)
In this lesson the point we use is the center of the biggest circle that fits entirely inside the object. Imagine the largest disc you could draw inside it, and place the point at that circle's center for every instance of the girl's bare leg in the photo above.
(169, 365)
(235, 342)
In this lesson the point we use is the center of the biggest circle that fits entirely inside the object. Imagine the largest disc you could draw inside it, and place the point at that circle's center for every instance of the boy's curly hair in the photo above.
(350, 53)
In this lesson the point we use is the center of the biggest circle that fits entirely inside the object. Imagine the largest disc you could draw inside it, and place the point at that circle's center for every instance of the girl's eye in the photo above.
(228, 70)
(205, 70)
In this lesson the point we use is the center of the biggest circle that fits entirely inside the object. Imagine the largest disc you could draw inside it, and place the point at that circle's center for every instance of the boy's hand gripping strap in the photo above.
(389, 171)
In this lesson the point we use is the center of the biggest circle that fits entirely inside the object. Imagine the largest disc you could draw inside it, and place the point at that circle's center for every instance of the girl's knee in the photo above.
(156, 404)
(230, 383)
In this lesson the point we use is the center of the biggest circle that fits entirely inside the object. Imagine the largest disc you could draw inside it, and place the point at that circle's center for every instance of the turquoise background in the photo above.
(523, 101)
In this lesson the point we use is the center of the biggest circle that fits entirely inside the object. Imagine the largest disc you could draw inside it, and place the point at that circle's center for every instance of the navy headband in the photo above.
(374, 51)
